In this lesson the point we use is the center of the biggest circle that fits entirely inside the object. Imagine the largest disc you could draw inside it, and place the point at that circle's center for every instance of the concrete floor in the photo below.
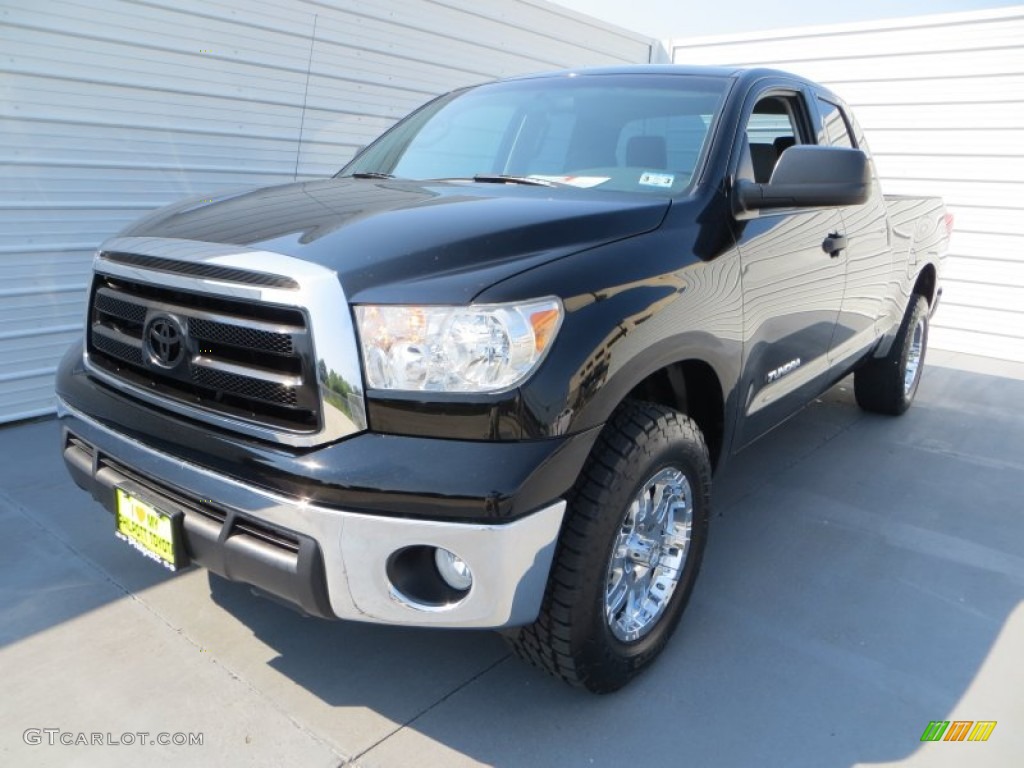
(865, 576)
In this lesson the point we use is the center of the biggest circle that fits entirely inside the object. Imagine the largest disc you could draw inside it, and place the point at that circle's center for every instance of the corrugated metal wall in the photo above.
(942, 101)
(109, 108)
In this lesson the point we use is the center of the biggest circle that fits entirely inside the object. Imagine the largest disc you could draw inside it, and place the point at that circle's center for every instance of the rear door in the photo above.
(869, 252)
(792, 288)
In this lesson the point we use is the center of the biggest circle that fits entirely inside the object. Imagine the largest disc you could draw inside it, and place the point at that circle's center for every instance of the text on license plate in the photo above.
(146, 528)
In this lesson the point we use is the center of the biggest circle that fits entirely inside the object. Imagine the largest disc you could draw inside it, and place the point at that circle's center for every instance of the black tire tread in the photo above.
(878, 384)
(546, 643)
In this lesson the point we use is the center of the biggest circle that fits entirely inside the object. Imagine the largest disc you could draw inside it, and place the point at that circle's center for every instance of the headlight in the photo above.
(479, 348)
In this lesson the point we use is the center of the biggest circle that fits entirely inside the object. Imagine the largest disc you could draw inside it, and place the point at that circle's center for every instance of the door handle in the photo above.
(833, 244)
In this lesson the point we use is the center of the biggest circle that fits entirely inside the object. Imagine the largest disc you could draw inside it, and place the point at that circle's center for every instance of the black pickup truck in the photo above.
(483, 376)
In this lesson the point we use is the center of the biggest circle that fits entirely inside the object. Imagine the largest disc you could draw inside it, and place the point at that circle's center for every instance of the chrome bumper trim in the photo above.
(510, 562)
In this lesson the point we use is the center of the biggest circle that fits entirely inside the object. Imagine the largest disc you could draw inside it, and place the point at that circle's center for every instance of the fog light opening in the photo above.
(428, 578)
(453, 570)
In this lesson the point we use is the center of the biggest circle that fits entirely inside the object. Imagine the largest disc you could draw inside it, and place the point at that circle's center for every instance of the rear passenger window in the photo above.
(834, 130)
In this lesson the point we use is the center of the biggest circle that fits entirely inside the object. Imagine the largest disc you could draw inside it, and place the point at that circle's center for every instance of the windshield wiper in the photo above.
(494, 178)
(372, 175)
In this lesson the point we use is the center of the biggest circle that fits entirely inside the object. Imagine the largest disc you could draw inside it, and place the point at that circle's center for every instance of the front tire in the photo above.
(629, 552)
(888, 384)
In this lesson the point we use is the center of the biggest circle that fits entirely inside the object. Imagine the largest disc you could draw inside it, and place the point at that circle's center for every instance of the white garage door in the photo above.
(942, 101)
(108, 109)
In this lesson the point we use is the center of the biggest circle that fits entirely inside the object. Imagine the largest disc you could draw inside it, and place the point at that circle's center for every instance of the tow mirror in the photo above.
(810, 176)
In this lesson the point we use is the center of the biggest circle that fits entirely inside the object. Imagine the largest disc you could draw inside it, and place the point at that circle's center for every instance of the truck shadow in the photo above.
(859, 573)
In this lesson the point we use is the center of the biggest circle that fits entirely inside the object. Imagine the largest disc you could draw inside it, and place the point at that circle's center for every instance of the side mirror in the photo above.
(810, 176)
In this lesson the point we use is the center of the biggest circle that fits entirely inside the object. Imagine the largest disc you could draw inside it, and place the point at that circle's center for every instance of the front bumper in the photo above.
(328, 561)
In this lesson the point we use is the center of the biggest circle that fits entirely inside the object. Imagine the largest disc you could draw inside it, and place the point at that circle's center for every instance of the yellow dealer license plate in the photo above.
(154, 533)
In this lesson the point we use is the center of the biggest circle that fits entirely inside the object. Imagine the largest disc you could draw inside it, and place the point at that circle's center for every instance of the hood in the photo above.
(397, 241)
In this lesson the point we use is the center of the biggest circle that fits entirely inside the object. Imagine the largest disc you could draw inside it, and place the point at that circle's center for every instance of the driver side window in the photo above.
(773, 127)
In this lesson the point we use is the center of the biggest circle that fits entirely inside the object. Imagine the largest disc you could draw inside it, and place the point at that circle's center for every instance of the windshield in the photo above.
(636, 133)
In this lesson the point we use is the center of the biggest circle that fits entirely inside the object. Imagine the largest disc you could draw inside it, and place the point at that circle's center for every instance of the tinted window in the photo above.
(683, 136)
(640, 133)
(834, 131)
(772, 128)
(457, 145)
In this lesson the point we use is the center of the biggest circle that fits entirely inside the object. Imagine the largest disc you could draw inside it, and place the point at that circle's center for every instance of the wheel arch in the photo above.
(695, 373)
(927, 283)
(924, 283)
(693, 387)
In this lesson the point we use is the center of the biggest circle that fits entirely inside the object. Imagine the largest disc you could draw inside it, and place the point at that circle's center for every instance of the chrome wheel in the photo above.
(914, 357)
(648, 555)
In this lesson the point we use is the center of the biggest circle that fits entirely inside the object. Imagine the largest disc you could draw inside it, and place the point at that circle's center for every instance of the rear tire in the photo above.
(629, 552)
(888, 384)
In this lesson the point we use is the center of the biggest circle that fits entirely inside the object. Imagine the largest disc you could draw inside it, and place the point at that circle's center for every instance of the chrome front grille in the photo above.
(107, 341)
(239, 336)
(125, 310)
(256, 342)
(243, 359)
(257, 389)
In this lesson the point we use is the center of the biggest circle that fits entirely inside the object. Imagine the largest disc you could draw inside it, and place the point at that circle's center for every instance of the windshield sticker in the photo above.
(657, 179)
(583, 182)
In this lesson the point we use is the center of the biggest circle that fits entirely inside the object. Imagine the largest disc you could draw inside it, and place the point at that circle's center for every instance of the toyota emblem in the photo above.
(165, 341)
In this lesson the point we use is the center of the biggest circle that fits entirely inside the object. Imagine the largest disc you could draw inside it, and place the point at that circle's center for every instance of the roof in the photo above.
(662, 69)
(638, 69)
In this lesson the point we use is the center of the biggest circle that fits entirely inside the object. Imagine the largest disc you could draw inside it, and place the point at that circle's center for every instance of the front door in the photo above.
(792, 287)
